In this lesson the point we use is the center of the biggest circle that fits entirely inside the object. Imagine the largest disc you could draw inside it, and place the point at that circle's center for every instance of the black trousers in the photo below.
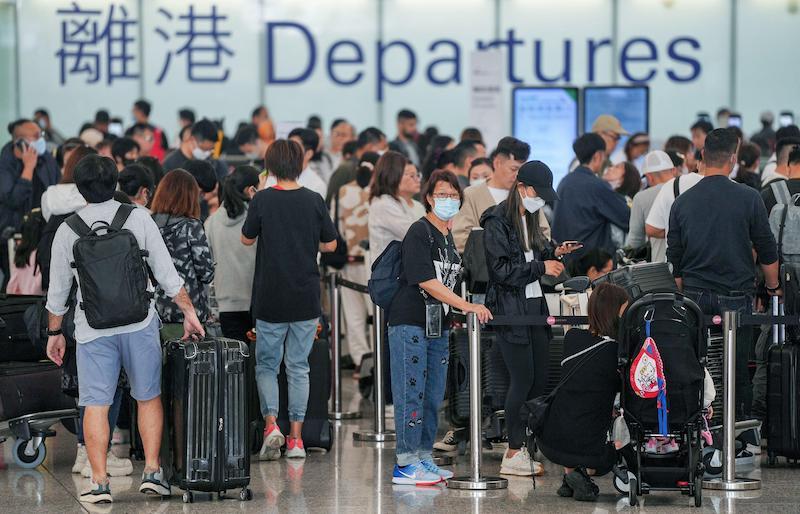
(527, 368)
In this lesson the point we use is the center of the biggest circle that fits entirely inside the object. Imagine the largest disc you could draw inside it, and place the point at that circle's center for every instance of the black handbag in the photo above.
(538, 408)
(338, 258)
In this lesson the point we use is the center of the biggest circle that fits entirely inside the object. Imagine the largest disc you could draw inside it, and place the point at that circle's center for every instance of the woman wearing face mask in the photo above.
(418, 330)
(518, 255)
(480, 171)
(138, 184)
(235, 263)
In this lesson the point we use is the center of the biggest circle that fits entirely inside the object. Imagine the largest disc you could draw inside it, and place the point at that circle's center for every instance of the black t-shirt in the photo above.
(289, 225)
(768, 195)
(427, 254)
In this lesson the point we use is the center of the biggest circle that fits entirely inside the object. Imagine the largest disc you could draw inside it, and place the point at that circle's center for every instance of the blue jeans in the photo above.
(419, 374)
(113, 414)
(298, 337)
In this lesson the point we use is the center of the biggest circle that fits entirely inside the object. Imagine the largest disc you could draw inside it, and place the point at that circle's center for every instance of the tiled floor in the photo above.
(356, 479)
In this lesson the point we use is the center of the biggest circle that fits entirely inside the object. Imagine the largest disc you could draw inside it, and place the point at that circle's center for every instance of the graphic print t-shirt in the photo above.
(424, 260)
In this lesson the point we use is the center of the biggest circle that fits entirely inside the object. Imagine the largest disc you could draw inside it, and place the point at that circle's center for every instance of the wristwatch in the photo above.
(54, 332)
(773, 289)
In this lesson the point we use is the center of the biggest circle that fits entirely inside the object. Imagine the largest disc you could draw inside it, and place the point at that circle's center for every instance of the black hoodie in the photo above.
(509, 272)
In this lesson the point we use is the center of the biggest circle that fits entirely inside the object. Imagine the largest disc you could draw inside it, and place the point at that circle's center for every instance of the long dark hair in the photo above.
(32, 226)
(536, 237)
(431, 162)
(604, 305)
(233, 197)
(631, 180)
(388, 174)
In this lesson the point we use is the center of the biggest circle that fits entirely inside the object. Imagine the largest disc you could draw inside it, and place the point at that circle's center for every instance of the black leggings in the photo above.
(527, 368)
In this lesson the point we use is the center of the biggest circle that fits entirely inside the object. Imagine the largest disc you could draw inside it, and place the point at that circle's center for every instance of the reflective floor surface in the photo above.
(355, 478)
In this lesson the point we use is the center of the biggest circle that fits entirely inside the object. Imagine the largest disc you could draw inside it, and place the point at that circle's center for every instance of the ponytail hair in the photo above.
(232, 196)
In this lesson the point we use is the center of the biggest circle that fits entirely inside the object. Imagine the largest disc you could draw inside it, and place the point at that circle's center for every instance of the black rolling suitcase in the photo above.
(783, 399)
(15, 342)
(494, 377)
(206, 401)
(317, 428)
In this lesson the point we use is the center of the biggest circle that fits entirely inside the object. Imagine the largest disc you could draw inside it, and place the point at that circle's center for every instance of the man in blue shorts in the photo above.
(102, 352)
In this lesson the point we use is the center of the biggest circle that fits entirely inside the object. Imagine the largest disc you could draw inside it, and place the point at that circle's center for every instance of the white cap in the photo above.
(657, 161)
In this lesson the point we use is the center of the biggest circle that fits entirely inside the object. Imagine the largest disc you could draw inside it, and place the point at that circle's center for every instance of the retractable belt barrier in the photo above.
(351, 285)
(336, 412)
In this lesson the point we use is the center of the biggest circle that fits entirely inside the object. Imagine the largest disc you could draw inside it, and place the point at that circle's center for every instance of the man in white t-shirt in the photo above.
(309, 140)
(657, 224)
(658, 168)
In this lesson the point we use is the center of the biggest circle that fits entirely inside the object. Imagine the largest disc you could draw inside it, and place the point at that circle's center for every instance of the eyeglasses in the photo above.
(612, 135)
(414, 176)
(442, 196)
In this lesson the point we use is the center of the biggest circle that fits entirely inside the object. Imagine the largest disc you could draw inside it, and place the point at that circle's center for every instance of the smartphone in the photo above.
(571, 243)
(704, 116)
(21, 144)
(735, 120)
(786, 118)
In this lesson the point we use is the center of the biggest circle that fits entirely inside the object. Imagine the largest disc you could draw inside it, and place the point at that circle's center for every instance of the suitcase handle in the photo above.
(190, 344)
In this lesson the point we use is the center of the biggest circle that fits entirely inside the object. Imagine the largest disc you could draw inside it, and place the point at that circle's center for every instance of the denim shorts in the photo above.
(99, 362)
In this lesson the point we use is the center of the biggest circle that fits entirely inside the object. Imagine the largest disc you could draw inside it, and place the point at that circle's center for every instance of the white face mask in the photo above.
(477, 181)
(533, 204)
(200, 154)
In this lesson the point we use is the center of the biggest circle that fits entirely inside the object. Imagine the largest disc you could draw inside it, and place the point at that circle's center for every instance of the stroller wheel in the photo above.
(633, 500)
(622, 481)
(698, 490)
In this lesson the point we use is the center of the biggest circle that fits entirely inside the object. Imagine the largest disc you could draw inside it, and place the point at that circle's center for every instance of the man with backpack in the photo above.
(782, 200)
(106, 250)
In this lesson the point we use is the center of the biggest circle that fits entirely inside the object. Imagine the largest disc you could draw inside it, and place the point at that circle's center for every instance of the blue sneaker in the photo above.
(414, 474)
(429, 465)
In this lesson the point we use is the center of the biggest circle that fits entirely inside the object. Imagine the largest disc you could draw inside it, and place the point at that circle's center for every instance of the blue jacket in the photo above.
(17, 195)
(586, 209)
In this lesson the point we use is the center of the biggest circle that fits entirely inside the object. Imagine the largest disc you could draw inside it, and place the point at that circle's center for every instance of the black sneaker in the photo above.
(565, 491)
(97, 493)
(583, 488)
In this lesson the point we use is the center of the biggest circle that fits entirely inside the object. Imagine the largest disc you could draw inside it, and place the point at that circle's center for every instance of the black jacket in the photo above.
(17, 195)
(509, 272)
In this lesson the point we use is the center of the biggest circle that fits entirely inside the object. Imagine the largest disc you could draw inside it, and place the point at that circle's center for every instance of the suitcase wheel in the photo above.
(29, 458)
(772, 459)
(188, 497)
(246, 494)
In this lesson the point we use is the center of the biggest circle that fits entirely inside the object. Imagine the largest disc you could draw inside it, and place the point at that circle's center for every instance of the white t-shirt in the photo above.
(659, 213)
(308, 179)
(499, 195)
(534, 289)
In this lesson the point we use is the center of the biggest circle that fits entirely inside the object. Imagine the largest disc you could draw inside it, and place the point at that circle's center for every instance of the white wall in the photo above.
(673, 40)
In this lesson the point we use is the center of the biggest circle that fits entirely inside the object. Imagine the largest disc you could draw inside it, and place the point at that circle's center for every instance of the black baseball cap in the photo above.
(538, 175)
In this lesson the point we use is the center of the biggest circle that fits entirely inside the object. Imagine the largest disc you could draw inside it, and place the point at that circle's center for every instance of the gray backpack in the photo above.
(784, 220)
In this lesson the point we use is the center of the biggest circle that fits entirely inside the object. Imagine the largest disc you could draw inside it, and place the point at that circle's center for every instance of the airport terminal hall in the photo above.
(413, 256)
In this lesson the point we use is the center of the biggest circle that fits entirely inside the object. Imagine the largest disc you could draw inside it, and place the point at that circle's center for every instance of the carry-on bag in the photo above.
(206, 402)
(783, 397)
(16, 344)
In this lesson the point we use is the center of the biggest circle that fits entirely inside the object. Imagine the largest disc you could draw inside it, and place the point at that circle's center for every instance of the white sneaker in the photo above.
(273, 440)
(520, 465)
(81, 459)
(120, 436)
(448, 442)
(115, 466)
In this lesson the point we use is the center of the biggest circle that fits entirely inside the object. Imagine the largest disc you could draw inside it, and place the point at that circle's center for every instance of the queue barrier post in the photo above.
(475, 481)
(729, 481)
(336, 350)
(379, 434)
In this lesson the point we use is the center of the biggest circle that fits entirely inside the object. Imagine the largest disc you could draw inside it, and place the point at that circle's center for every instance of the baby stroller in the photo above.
(676, 325)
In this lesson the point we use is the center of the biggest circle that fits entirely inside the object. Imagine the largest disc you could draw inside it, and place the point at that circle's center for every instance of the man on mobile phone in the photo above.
(26, 170)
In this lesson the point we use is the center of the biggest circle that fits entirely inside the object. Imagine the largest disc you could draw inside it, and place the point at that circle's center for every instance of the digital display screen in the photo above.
(630, 105)
(547, 119)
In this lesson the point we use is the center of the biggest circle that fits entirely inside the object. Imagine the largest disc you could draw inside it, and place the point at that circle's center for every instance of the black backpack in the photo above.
(112, 272)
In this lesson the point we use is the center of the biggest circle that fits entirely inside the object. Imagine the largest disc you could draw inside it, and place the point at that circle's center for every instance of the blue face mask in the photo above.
(40, 145)
(446, 208)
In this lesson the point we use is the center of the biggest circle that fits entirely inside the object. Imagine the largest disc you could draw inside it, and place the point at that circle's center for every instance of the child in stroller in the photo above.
(662, 356)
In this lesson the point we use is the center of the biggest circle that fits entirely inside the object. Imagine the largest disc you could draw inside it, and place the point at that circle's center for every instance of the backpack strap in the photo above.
(121, 216)
(676, 189)
(781, 230)
(781, 192)
(78, 225)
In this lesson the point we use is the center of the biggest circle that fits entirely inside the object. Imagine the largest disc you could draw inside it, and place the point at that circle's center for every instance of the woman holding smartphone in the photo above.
(518, 254)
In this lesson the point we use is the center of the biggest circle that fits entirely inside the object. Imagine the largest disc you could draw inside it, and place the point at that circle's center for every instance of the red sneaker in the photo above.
(273, 440)
(295, 449)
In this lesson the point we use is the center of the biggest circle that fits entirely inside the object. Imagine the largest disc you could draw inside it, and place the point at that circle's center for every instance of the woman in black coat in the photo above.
(517, 256)
(575, 432)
